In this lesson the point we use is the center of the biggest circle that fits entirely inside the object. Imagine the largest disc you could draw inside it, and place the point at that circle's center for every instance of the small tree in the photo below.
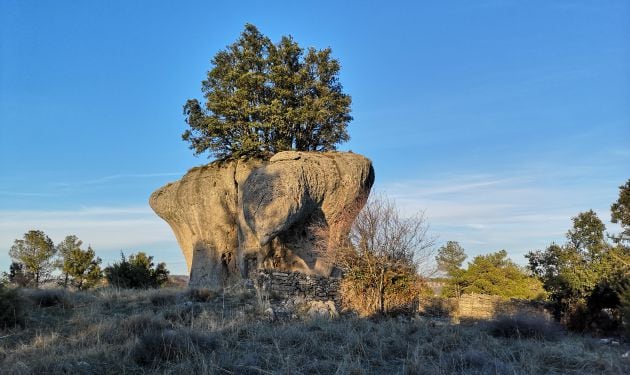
(620, 213)
(584, 275)
(82, 267)
(381, 257)
(496, 274)
(449, 260)
(262, 98)
(64, 248)
(137, 272)
(35, 251)
(587, 235)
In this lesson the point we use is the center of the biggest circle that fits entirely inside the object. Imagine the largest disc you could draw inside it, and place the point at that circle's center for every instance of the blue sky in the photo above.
(500, 119)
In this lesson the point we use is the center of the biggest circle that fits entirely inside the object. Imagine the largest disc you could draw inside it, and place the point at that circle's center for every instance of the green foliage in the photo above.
(585, 275)
(262, 98)
(450, 257)
(137, 272)
(64, 248)
(495, 274)
(82, 267)
(11, 308)
(620, 213)
(587, 234)
(35, 251)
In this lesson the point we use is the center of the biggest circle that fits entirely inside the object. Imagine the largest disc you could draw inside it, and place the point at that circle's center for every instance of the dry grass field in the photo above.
(175, 331)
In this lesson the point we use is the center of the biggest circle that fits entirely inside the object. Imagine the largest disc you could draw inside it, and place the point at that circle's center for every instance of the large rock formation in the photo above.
(231, 218)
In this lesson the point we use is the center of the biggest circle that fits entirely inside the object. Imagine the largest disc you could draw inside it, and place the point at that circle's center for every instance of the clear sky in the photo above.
(501, 119)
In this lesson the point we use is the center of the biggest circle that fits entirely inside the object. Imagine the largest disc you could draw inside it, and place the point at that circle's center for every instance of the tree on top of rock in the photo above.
(263, 98)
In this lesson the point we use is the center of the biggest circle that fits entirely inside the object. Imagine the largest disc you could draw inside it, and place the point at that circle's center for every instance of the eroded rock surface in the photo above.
(235, 217)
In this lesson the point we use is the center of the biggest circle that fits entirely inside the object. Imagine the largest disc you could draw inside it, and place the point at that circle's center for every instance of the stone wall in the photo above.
(478, 306)
(296, 285)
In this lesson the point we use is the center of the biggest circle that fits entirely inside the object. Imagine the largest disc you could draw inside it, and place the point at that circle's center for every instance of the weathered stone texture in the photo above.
(233, 218)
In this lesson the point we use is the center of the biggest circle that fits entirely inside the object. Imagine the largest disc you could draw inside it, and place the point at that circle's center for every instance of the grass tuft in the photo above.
(525, 326)
(156, 347)
(201, 294)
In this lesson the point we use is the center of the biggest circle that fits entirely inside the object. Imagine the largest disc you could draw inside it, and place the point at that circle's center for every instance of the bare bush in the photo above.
(380, 257)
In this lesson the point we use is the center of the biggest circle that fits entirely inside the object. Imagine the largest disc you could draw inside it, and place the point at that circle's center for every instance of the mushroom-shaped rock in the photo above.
(231, 218)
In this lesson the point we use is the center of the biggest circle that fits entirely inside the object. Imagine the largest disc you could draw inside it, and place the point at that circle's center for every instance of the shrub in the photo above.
(11, 308)
(49, 298)
(438, 307)
(201, 294)
(524, 326)
(380, 259)
(169, 345)
(117, 331)
(163, 297)
(137, 272)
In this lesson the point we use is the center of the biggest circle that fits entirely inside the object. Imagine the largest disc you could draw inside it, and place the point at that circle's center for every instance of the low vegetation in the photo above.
(381, 258)
(108, 331)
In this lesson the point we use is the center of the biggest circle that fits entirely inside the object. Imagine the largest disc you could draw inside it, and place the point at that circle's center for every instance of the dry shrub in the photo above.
(439, 307)
(154, 348)
(524, 325)
(201, 294)
(402, 292)
(11, 308)
(183, 314)
(380, 254)
(163, 297)
(120, 330)
(50, 298)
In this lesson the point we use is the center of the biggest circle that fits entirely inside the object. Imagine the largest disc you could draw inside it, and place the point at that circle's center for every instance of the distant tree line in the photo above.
(492, 274)
(586, 279)
(36, 260)
(588, 276)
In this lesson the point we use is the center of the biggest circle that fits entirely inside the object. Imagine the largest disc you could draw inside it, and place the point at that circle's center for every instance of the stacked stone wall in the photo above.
(292, 285)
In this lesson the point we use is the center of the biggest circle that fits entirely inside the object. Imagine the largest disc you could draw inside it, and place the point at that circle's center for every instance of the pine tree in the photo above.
(35, 251)
(263, 98)
(64, 248)
(620, 213)
(83, 268)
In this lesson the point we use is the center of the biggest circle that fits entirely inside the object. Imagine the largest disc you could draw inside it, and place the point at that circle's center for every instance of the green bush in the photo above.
(137, 272)
(11, 308)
